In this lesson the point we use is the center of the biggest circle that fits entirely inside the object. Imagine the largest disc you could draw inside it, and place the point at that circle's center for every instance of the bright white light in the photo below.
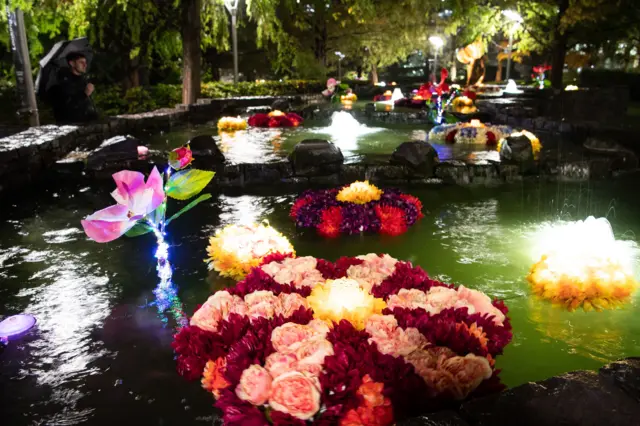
(381, 84)
(436, 41)
(345, 130)
(340, 55)
(512, 15)
(512, 87)
(571, 88)
(231, 5)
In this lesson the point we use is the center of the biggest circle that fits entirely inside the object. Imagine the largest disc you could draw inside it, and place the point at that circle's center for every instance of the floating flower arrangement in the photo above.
(235, 249)
(463, 105)
(582, 265)
(473, 132)
(304, 341)
(359, 207)
(275, 119)
(231, 124)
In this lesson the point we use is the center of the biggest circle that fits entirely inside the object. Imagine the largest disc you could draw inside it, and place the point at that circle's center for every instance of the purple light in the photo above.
(16, 325)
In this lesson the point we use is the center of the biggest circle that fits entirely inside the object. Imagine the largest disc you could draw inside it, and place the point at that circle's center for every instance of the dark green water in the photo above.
(101, 352)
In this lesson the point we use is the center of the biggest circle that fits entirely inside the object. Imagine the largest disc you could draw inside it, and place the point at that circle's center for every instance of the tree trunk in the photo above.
(559, 52)
(191, 54)
(359, 71)
(499, 72)
(374, 73)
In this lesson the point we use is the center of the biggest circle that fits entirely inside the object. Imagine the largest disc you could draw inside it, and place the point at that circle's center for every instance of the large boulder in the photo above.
(580, 398)
(419, 157)
(281, 104)
(206, 151)
(115, 150)
(622, 158)
(516, 149)
(316, 157)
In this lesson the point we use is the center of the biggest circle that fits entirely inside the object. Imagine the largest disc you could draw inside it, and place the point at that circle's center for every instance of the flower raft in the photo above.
(275, 119)
(305, 341)
(474, 132)
(359, 207)
(235, 249)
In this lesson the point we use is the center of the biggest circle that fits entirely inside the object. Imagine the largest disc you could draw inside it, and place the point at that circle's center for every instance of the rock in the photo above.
(516, 149)
(624, 374)
(116, 149)
(419, 157)
(205, 150)
(580, 398)
(316, 157)
(442, 418)
(624, 159)
(370, 107)
(283, 105)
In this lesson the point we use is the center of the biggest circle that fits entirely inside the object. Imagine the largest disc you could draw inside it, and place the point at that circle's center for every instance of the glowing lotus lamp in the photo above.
(512, 88)
(343, 298)
(581, 265)
(16, 325)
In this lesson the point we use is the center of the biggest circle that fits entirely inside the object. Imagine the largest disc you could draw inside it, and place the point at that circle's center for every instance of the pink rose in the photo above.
(295, 394)
(481, 303)
(255, 385)
(320, 327)
(408, 299)
(311, 355)
(290, 303)
(468, 372)
(278, 363)
(289, 337)
(217, 308)
(262, 304)
(180, 158)
(381, 326)
(299, 271)
(373, 270)
(391, 339)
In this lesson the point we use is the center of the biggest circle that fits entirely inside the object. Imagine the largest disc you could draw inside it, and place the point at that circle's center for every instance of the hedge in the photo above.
(111, 100)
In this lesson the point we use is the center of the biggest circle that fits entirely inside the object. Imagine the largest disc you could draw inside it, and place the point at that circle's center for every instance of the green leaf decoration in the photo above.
(189, 206)
(138, 229)
(187, 183)
(158, 214)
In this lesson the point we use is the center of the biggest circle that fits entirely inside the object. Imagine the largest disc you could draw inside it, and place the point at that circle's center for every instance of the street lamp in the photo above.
(232, 7)
(512, 16)
(340, 56)
(437, 42)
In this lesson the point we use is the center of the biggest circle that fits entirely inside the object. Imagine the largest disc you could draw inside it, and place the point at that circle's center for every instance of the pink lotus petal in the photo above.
(127, 183)
(155, 183)
(108, 224)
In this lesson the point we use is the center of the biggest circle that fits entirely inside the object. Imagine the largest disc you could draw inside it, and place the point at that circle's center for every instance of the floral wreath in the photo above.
(355, 208)
(473, 132)
(364, 340)
(275, 119)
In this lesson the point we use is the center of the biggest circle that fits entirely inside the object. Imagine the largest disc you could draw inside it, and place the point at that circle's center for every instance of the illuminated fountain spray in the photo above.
(345, 130)
(581, 265)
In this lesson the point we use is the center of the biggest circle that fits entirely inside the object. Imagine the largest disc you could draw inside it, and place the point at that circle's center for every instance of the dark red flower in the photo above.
(470, 94)
(300, 202)
(237, 412)
(294, 118)
(392, 220)
(491, 139)
(258, 280)
(415, 201)
(275, 257)
(259, 120)
(283, 419)
(405, 276)
(326, 268)
(344, 263)
(451, 136)
(330, 222)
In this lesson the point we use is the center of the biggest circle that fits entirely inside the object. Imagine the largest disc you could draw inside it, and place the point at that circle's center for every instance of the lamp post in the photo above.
(437, 43)
(515, 18)
(340, 56)
(232, 7)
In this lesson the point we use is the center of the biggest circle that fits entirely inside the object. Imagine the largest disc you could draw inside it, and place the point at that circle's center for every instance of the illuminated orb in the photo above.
(463, 105)
(16, 325)
(536, 146)
(230, 124)
(335, 300)
(359, 193)
(235, 249)
(581, 265)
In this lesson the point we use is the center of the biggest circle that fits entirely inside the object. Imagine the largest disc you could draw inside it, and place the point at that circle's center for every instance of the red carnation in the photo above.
(275, 257)
(300, 202)
(294, 118)
(330, 222)
(415, 201)
(451, 136)
(392, 220)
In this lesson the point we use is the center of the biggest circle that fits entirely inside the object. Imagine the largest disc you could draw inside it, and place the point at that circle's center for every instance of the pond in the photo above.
(101, 351)
(372, 142)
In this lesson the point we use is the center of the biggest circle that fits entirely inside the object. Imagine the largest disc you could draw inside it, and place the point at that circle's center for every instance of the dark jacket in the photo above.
(70, 103)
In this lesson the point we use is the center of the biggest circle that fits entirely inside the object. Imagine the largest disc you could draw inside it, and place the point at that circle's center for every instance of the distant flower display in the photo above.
(235, 249)
(473, 132)
(231, 124)
(355, 208)
(463, 105)
(275, 119)
(370, 340)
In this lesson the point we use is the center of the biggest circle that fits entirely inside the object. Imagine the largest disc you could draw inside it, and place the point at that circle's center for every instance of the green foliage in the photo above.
(185, 184)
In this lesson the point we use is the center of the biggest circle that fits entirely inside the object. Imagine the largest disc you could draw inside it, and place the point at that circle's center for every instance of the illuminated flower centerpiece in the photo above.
(235, 249)
(275, 118)
(473, 132)
(231, 124)
(307, 341)
(355, 208)
(463, 105)
(581, 265)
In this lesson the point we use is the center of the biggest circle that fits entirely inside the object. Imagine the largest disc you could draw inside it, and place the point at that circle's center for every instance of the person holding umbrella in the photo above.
(71, 96)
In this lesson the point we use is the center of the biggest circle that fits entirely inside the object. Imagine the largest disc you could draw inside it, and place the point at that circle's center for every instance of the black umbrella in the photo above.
(57, 58)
